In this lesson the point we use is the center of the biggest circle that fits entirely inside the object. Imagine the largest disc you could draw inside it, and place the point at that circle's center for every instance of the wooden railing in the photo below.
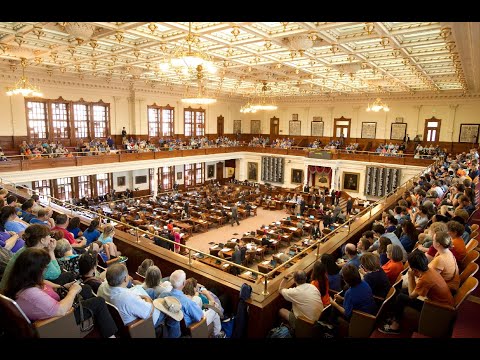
(24, 163)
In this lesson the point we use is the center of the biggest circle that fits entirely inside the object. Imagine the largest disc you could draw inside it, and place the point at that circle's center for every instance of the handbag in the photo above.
(86, 315)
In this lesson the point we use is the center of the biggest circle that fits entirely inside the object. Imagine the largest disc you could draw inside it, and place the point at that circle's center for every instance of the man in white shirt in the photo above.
(305, 298)
(132, 305)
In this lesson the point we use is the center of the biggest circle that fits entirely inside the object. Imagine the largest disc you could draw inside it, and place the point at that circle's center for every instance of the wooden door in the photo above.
(274, 127)
(220, 120)
(342, 126)
(220, 172)
(432, 130)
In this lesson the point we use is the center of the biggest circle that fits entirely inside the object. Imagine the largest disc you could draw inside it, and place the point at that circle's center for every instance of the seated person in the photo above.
(67, 260)
(374, 275)
(10, 240)
(92, 233)
(305, 298)
(359, 296)
(134, 304)
(87, 265)
(394, 265)
(74, 227)
(422, 281)
(153, 284)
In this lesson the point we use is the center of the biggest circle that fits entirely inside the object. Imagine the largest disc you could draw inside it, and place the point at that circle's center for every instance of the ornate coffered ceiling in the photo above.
(294, 58)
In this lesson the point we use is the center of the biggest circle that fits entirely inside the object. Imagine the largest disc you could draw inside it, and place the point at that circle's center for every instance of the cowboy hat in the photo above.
(170, 306)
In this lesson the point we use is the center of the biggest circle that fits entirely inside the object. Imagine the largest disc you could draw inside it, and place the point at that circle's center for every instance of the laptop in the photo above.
(273, 263)
(312, 217)
(291, 253)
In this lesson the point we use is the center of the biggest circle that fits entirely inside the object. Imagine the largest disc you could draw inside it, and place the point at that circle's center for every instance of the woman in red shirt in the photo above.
(394, 265)
(320, 281)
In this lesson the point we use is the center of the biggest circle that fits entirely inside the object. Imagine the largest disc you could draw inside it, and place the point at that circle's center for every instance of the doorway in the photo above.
(342, 127)
(220, 121)
(220, 172)
(274, 127)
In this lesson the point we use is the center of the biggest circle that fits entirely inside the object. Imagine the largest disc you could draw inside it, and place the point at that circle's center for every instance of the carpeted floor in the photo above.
(224, 233)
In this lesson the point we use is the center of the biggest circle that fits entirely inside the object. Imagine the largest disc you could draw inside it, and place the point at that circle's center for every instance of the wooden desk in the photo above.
(212, 262)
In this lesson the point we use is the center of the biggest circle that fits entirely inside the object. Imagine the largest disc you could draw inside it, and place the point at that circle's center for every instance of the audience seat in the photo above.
(15, 324)
(139, 328)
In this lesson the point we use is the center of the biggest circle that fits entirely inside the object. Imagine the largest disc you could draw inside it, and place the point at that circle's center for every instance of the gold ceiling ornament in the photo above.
(378, 105)
(80, 31)
(93, 43)
(450, 46)
(63, 69)
(13, 65)
(235, 32)
(49, 71)
(313, 36)
(38, 31)
(38, 60)
(445, 32)
(396, 52)
(54, 56)
(19, 39)
(200, 98)
(152, 27)
(284, 24)
(136, 53)
(23, 86)
(334, 48)
(119, 36)
(268, 44)
(71, 50)
(385, 42)
(230, 51)
(369, 27)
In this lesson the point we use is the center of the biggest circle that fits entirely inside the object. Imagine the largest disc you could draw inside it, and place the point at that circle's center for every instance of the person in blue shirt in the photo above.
(26, 211)
(358, 297)
(92, 233)
(74, 227)
(9, 221)
(192, 313)
(42, 218)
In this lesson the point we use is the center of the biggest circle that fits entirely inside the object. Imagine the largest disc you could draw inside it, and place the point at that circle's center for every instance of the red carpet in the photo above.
(468, 320)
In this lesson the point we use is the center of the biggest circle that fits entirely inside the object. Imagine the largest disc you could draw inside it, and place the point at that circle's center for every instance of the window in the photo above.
(80, 123)
(100, 116)
(103, 184)
(84, 187)
(194, 122)
(43, 188)
(194, 174)
(37, 119)
(189, 175)
(199, 173)
(54, 119)
(64, 188)
(166, 177)
(160, 120)
(432, 129)
(60, 117)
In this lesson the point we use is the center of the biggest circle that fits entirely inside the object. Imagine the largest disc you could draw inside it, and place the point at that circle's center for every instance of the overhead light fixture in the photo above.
(378, 105)
(23, 86)
(262, 103)
(200, 98)
(192, 57)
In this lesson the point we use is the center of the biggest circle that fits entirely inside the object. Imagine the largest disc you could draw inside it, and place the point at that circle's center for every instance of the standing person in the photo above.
(235, 214)
(349, 205)
(124, 133)
(332, 196)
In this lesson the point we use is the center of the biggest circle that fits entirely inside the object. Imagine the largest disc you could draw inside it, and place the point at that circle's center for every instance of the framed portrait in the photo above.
(141, 179)
(121, 181)
(369, 130)
(295, 127)
(255, 127)
(294, 116)
(297, 176)
(398, 131)
(237, 126)
(252, 171)
(210, 171)
(179, 175)
(351, 181)
(317, 127)
(469, 133)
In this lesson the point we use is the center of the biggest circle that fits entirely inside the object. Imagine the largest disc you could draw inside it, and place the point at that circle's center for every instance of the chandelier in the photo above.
(193, 56)
(248, 108)
(262, 103)
(200, 98)
(23, 86)
(378, 105)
